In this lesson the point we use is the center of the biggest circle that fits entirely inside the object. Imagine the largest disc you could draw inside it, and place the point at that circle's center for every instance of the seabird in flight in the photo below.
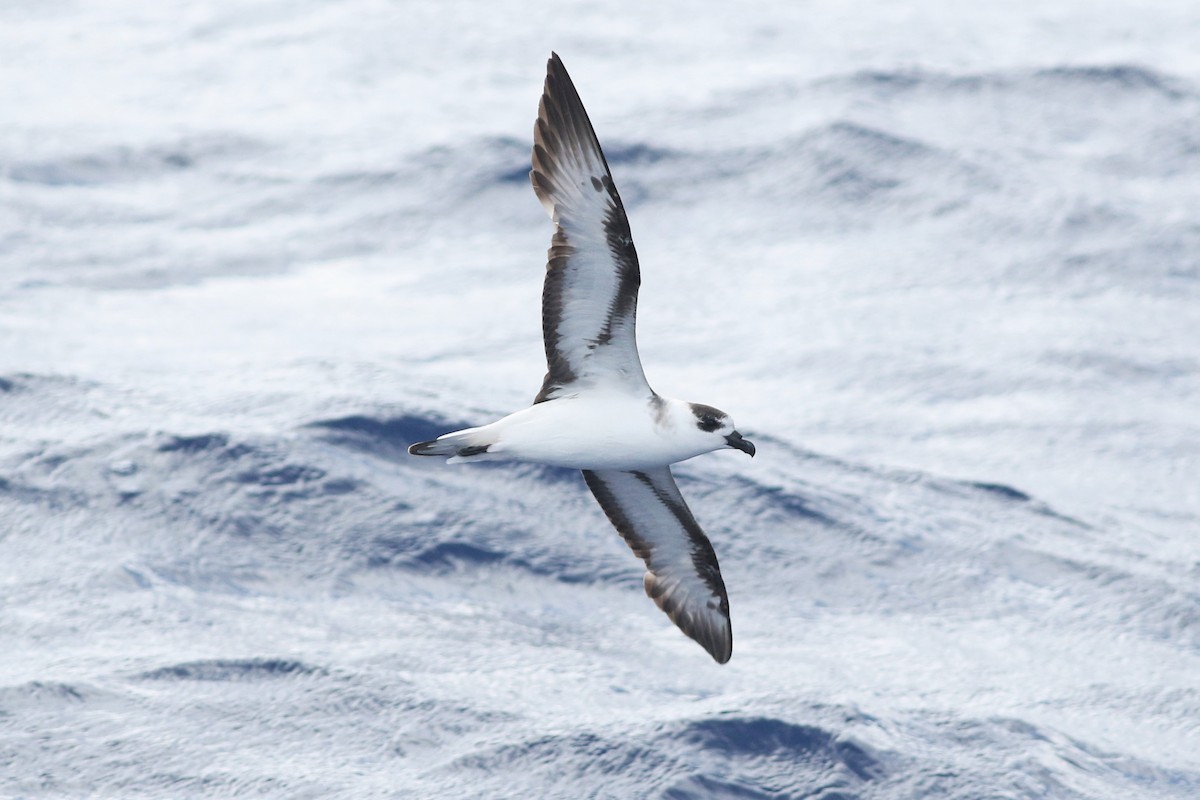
(595, 411)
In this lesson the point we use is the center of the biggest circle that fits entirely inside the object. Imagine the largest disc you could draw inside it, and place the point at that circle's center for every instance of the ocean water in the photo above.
(940, 261)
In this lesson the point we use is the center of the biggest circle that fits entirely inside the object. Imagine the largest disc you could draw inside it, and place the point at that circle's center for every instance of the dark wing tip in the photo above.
(556, 77)
(562, 121)
(717, 641)
(716, 638)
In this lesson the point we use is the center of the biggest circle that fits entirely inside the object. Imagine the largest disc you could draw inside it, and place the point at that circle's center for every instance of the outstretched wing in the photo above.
(682, 576)
(589, 301)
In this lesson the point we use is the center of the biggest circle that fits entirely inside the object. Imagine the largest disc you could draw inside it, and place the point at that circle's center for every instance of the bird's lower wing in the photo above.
(682, 576)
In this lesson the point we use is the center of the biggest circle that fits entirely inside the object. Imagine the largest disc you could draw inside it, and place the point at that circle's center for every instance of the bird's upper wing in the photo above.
(589, 301)
(682, 576)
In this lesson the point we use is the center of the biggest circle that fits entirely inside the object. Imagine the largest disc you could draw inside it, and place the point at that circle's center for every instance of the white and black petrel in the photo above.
(596, 412)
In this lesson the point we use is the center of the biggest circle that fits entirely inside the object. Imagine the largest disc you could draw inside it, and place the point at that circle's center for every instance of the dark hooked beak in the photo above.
(736, 441)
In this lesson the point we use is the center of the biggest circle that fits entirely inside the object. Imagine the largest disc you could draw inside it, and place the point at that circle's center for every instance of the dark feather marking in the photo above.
(707, 418)
(660, 408)
(704, 558)
(629, 277)
(612, 510)
(422, 448)
(559, 372)
(704, 561)
(562, 130)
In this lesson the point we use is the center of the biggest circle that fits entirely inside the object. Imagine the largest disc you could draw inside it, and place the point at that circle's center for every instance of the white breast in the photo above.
(615, 432)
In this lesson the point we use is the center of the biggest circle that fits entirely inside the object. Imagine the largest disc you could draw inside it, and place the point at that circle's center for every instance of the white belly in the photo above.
(608, 432)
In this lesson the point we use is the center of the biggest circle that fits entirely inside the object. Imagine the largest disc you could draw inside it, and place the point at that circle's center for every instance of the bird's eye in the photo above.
(709, 423)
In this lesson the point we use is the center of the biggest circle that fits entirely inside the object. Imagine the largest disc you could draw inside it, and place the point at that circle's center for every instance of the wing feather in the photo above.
(682, 577)
(589, 299)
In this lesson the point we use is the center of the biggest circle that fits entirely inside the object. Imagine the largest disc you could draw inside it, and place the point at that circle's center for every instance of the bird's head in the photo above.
(717, 424)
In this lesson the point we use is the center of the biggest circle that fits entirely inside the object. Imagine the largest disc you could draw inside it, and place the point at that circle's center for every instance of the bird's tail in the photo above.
(456, 446)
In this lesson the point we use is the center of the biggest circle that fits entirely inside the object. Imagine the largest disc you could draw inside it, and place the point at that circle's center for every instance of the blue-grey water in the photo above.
(941, 262)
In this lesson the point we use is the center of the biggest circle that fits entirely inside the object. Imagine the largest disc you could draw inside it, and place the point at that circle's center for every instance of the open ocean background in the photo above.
(941, 261)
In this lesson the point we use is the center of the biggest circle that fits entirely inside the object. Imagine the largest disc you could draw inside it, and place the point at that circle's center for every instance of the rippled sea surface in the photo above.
(941, 262)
